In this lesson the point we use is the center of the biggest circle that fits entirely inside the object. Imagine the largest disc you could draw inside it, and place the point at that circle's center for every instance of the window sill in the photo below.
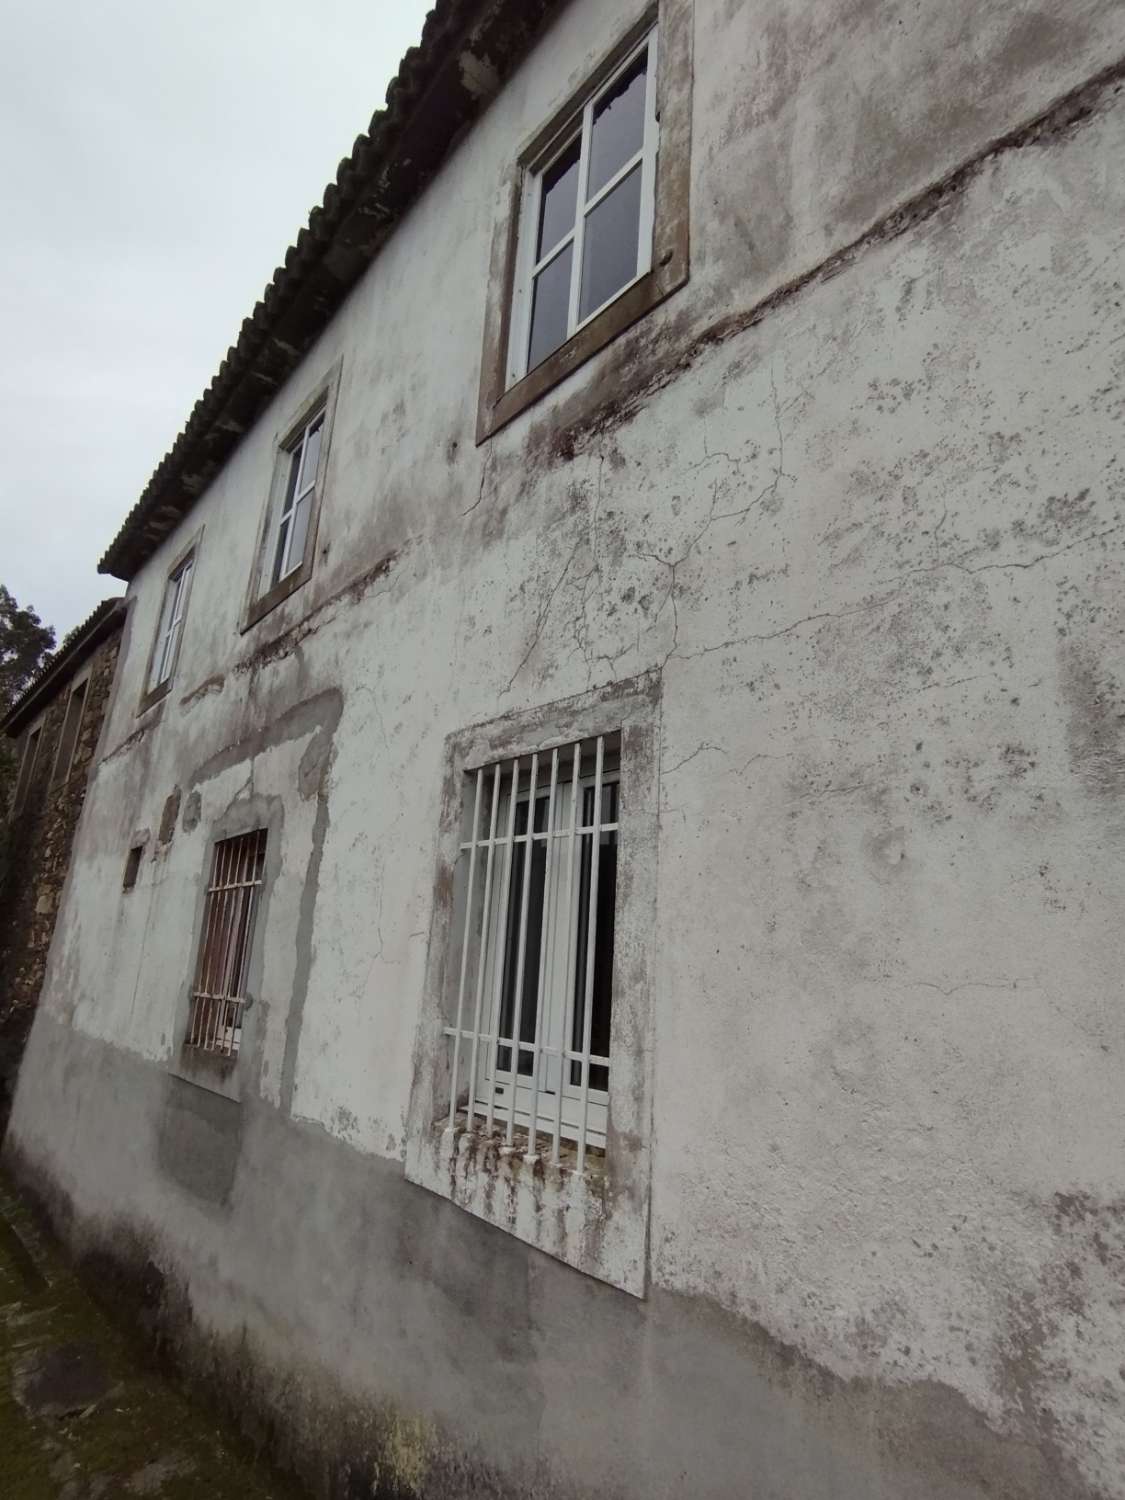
(497, 409)
(208, 1070)
(157, 695)
(269, 601)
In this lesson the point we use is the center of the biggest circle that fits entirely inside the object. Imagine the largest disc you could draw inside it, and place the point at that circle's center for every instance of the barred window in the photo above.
(219, 996)
(537, 895)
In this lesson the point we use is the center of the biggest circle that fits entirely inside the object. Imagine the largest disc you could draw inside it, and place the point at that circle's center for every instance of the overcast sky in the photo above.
(157, 158)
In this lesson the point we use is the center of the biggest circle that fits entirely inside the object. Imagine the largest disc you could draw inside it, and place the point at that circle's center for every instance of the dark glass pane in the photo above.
(529, 997)
(291, 482)
(619, 125)
(559, 199)
(279, 554)
(550, 307)
(312, 455)
(603, 939)
(609, 257)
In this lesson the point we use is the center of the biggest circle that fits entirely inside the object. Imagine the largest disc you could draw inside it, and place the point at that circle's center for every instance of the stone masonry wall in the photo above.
(36, 857)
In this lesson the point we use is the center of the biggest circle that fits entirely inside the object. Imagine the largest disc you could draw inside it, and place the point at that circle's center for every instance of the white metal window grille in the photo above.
(219, 993)
(171, 625)
(537, 901)
(68, 739)
(587, 216)
(296, 508)
(27, 767)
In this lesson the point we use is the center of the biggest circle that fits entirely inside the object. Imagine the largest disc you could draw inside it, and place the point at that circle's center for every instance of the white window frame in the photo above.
(527, 267)
(169, 629)
(295, 452)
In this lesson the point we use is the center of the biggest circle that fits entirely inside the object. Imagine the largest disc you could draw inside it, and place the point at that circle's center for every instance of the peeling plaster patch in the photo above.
(192, 811)
(210, 685)
(171, 813)
(478, 76)
(315, 765)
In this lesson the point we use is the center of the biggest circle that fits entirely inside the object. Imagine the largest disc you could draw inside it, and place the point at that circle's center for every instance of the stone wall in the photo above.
(36, 857)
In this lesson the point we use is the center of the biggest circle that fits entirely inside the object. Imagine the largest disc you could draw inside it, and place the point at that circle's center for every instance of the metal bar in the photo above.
(465, 948)
(568, 984)
(207, 976)
(521, 944)
(488, 868)
(591, 941)
(544, 929)
(501, 949)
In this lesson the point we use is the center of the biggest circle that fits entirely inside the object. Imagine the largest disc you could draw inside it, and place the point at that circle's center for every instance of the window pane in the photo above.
(560, 197)
(291, 481)
(300, 532)
(619, 124)
(609, 257)
(603, 939)
(529, 995)
(279, 553)
(312, 456)
(550, 307)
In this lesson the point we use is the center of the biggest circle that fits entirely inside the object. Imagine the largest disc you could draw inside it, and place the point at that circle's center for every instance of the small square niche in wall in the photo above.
(132, 867)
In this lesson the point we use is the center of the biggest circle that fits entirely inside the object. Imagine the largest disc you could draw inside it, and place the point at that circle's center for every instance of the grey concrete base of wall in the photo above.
(382, 1342)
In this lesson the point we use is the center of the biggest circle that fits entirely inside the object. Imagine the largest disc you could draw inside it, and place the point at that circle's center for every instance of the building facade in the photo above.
(594, 952)
(55, 727)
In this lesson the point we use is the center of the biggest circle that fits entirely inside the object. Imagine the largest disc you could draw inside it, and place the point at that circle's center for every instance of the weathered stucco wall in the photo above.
(855, 496)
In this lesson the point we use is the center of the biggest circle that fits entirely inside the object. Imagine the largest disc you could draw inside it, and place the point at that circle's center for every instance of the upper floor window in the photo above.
(287, 539)
(288, 548)
(597, 229)
(68, 739)
(28, 762)
(171, 625)
(587, 220)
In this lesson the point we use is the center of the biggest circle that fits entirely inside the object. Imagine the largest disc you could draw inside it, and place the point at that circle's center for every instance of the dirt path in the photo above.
(82, 1416)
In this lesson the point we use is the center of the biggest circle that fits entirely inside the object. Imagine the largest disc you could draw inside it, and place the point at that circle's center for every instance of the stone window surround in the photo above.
(59, 777)
(23, 783)
(209, 1070)
(597, 1221)
(498, 403)
(324, 396)
(150, 697)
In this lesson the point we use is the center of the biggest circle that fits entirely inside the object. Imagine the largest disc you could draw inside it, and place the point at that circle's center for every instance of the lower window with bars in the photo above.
(537, 898)
(218, 999)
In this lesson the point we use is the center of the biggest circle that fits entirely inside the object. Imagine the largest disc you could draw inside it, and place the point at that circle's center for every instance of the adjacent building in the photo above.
(592, 963)
(55, 726)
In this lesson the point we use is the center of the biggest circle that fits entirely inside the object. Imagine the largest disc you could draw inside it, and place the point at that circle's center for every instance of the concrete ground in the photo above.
(83, 1415)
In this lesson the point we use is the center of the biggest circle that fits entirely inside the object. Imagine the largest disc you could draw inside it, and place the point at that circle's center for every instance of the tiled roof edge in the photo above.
(76, 646)
(467, 48)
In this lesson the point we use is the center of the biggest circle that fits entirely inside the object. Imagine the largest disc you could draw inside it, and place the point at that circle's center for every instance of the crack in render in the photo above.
(541, 619)
(486, 467)
(961, 567)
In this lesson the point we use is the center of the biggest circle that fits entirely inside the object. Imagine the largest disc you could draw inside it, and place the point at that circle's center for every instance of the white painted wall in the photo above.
(874, 546)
